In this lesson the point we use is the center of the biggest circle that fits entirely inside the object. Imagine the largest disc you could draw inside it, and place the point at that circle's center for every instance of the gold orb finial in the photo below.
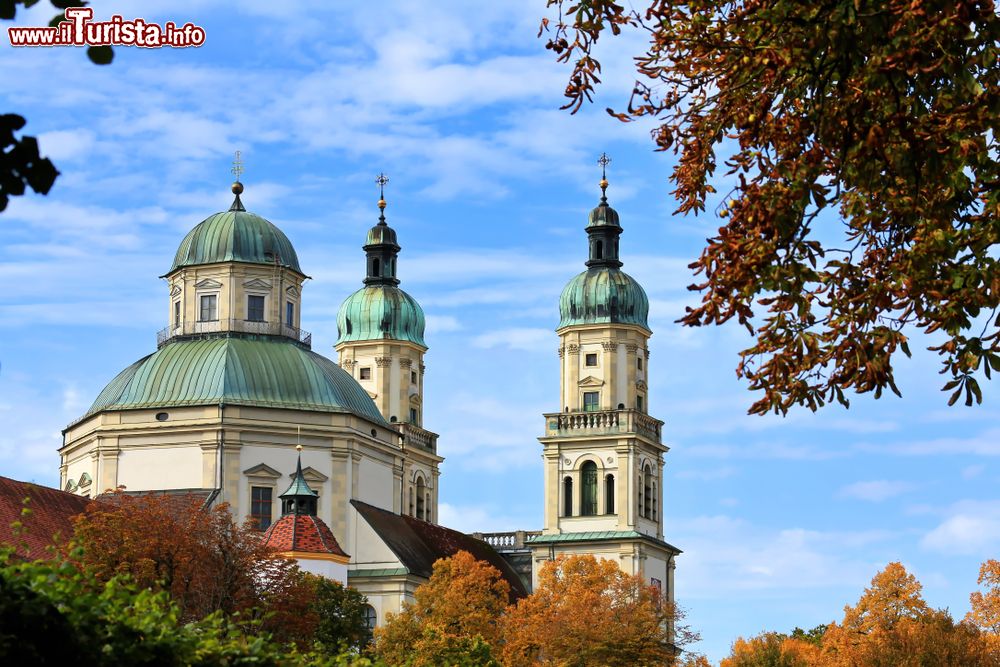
(381, 204)
(298, 448)
(237, 188)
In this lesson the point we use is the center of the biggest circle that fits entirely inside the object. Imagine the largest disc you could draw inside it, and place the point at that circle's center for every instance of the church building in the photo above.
(235, 406)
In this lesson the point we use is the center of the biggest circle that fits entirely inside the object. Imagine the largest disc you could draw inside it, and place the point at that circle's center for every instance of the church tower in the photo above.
(381, 344)
(602, 451)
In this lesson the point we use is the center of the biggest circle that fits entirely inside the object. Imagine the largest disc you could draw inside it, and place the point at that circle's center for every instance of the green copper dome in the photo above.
(603, 215)
(236, 236)
(603, 295)
(378, 312)
(266, 372)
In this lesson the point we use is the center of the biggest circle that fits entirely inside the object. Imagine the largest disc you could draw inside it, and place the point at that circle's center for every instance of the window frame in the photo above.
(263, 308)
(214, 310)
(256, 504)
(595, 405)
(588, 489)
(365, 373)
(587, 357)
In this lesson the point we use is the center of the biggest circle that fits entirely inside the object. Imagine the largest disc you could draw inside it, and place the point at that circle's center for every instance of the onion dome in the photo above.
(235, 370)
(236, 236)
(299, 530)
(380, 312)
(380, 309)
(603, 294)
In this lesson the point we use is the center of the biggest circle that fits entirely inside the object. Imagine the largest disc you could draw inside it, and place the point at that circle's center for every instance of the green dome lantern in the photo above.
(381, 310)
(603, 294)
(236, 236)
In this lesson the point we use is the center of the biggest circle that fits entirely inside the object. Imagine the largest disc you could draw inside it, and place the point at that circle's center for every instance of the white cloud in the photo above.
(874, 490)
(529, 339)
(973, 471)
(472, 518)
(971, 528)
(442, 323)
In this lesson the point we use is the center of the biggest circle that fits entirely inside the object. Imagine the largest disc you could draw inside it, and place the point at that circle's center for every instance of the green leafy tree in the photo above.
(54, 613)
(858, 140)
(341, 622)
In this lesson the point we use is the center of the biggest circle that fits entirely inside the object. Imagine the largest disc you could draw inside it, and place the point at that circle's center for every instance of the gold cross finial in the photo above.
(381, 180)
(237, 166)
(604, 161)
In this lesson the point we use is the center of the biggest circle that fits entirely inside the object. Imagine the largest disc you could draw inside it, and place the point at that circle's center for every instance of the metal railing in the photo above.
(237, 325)
(603, 422)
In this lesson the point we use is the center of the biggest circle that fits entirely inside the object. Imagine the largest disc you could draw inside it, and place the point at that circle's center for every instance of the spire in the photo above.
(237, 186)
(380, 246)
(603, 227)
(299, 498)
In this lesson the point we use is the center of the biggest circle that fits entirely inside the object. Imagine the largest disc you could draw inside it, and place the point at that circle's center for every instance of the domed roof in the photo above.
(236, 236)
(378, 312)
(602, 295)
(266, 372)
(602, 214)
(381, 234)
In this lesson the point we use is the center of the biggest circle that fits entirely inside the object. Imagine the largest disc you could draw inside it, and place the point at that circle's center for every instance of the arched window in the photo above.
(568, 496)
(656, 497)
(598, 249)
(609, 494)
(413, 507)
(371, 620)
(647, 491)
(420, 497)
(588, 496)
(375, 267)
(427, 507)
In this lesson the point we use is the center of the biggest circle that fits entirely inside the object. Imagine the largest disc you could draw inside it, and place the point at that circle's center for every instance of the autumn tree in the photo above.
(860, 194)
(452, 620)
(772, 649)
(341, 623)
(985, 605)
(587, 611)
(200, 556)
(892, 625)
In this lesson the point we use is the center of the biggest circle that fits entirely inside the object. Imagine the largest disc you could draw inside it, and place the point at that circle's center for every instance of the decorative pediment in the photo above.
(85, 480)
(312, 476)
(640, 385)
(208, 283)
(591, 381)
(257, 283)
(415, 399)
(372, 395)
(292, 291)
(176, 290)
(262, 470)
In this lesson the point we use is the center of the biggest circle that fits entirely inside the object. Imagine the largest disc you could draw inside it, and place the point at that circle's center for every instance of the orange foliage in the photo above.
(200, 556)
(586, 611)
(454, 615)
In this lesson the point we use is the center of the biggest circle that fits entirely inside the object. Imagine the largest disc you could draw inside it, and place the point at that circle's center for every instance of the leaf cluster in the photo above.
(858, 139)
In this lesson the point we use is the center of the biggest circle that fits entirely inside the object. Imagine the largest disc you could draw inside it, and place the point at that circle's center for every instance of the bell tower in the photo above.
(381, 344)
(602, 451)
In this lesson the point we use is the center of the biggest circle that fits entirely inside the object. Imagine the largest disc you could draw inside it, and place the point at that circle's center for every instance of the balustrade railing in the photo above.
(507, 541)
(602, 422)
(241, 326)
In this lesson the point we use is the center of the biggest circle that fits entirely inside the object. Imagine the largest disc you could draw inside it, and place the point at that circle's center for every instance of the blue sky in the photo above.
(782, 520)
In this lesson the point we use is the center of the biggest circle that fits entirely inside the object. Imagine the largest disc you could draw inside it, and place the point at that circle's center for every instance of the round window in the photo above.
(162, 416)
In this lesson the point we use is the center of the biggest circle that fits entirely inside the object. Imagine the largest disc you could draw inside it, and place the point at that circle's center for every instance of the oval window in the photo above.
(162, 416)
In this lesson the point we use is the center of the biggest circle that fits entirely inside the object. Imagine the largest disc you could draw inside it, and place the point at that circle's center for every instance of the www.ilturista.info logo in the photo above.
(79, 30)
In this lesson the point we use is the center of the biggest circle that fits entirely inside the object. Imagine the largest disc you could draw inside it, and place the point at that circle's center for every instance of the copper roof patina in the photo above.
(236, 370)
(236, 236)
(603, 295)
(378, 312)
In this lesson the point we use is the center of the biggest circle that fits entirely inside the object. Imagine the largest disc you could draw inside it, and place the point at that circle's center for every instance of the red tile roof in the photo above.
(302, 532)
(49, 520)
